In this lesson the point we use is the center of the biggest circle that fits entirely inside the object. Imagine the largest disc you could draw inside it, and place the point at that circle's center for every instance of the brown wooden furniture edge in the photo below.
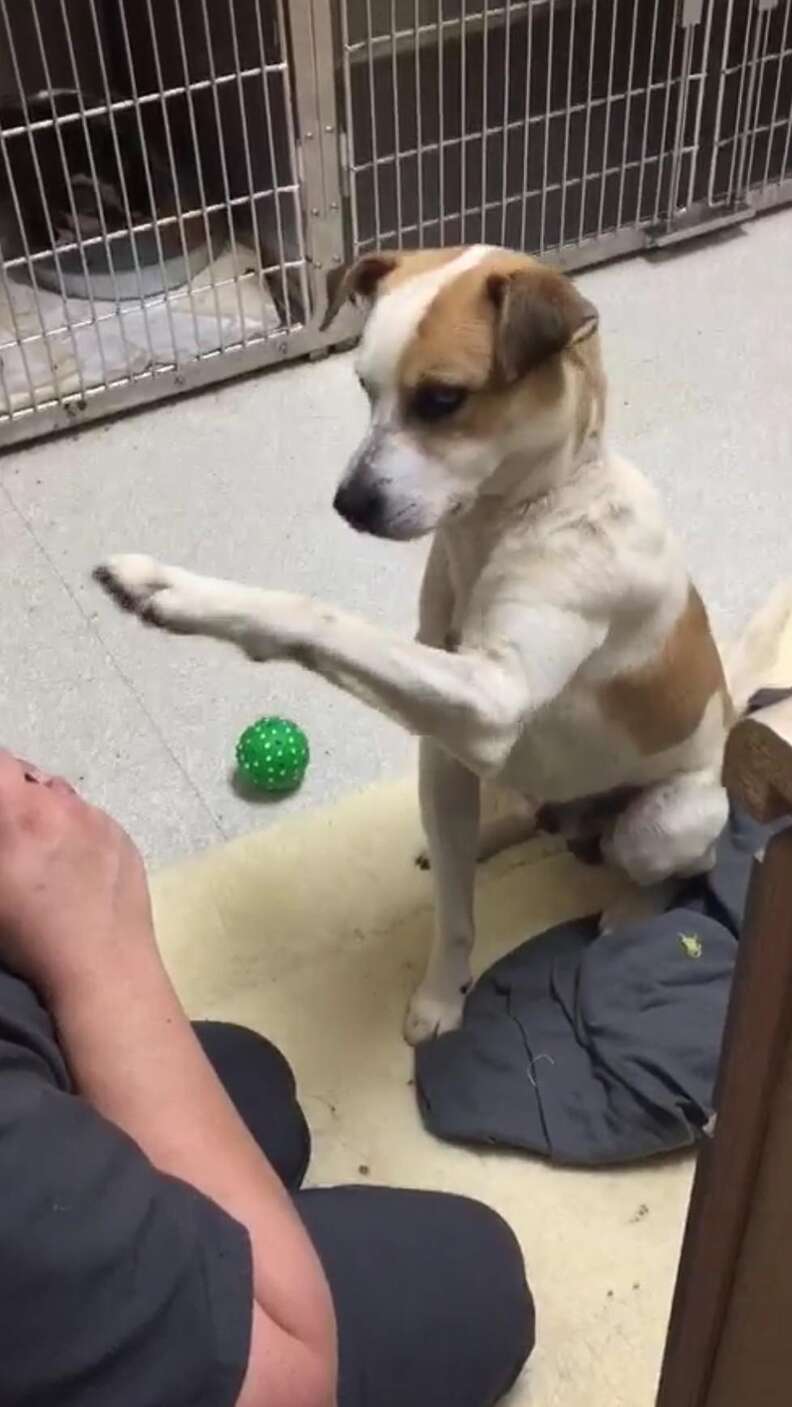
(757, 1032)
(758, 773)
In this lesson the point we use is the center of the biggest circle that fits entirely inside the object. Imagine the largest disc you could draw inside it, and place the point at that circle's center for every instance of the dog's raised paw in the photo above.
(132, 579)
(163, 596)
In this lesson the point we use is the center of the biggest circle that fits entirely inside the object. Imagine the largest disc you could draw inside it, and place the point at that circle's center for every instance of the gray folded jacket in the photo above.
(592, 1051)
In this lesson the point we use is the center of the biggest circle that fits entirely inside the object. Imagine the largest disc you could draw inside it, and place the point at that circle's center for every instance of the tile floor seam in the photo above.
(8, 498)
(125, 680)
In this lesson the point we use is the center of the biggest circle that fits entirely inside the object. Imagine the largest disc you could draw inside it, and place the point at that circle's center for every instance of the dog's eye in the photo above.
(433, 401)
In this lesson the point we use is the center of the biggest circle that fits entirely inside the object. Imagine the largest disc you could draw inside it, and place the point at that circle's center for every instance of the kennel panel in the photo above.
(559, 126)
(151, 202)
(180, 178)
(752, 155)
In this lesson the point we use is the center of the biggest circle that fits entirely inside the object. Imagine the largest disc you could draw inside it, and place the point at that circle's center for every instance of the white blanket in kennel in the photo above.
(131, 341)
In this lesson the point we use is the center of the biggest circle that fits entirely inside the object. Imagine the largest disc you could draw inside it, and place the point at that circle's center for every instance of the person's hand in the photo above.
(73, 890)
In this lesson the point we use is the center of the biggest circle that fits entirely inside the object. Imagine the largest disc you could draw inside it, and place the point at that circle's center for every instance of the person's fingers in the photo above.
(27, 789)
(60, 786)
(11, 771)
(51, 780)
(32, 773)
(13, 789)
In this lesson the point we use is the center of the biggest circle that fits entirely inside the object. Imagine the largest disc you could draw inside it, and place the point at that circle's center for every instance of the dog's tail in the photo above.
(750, 659)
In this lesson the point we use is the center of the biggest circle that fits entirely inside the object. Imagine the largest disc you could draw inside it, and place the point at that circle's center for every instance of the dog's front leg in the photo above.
(472, 703)
(450, 810)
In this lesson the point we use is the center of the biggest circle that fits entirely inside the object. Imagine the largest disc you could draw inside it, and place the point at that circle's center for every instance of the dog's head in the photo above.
(464, 360)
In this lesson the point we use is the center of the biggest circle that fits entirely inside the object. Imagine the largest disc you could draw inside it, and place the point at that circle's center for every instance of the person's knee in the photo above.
(507, 1307)
(487, 1289)
(260, 1083)
(430, 1294)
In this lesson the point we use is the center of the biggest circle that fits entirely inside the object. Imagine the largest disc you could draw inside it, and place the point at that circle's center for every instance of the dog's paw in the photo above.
(429, 1016)
(132, 578)
(164, 596)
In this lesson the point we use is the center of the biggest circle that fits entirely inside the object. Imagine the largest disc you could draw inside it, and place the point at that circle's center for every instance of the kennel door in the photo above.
(752, 146)
(563, 127)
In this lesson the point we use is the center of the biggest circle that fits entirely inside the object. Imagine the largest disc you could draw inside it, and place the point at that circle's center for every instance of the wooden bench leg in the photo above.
(757, 1041)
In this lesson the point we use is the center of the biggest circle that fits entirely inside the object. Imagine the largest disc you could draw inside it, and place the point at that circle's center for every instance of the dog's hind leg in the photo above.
(665, 835)
(450, 799)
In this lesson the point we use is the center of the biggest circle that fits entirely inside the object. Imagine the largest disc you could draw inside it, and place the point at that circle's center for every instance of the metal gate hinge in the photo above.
(692, 11)
(343, 161)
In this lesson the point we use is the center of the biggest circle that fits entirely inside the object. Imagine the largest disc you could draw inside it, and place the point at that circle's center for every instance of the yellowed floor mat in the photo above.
(313, 932)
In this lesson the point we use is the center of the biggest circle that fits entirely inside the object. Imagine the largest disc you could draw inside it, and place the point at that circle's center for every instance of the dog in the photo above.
(562, 650)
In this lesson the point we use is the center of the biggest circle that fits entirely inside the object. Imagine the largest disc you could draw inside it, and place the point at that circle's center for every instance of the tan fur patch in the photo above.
(661, 704)
(454, 343)
(454, 339)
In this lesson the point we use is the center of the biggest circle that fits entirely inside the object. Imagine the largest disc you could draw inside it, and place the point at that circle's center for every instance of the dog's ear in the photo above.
(538, 313)
(359, 280)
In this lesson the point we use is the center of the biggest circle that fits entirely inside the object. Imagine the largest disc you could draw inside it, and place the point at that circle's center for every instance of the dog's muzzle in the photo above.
(362, 504)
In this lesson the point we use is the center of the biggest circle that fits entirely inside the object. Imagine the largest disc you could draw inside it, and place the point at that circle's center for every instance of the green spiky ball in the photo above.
(273, 755)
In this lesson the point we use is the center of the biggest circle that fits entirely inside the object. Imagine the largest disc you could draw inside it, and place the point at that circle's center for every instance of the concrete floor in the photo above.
(238, 482)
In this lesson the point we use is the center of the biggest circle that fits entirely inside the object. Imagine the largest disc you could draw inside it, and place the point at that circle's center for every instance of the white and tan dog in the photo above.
(562, 650)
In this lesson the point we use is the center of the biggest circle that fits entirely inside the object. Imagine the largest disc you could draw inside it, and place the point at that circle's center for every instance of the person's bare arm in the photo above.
(75, 920)
(134, 1056)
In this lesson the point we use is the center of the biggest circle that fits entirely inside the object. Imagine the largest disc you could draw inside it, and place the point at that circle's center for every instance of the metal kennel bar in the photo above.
(179, 179)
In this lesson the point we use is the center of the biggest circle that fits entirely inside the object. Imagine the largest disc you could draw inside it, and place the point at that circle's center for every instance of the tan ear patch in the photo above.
(360, 279)
(538, 313)
(661, 704)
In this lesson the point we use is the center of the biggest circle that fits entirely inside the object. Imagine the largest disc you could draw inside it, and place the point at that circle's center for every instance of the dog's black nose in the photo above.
(360, 503)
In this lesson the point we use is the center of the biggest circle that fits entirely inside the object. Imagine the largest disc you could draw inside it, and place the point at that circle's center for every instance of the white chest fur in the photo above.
(599, 547)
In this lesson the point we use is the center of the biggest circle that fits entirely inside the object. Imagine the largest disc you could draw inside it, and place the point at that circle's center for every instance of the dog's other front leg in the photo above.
(450, 810)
